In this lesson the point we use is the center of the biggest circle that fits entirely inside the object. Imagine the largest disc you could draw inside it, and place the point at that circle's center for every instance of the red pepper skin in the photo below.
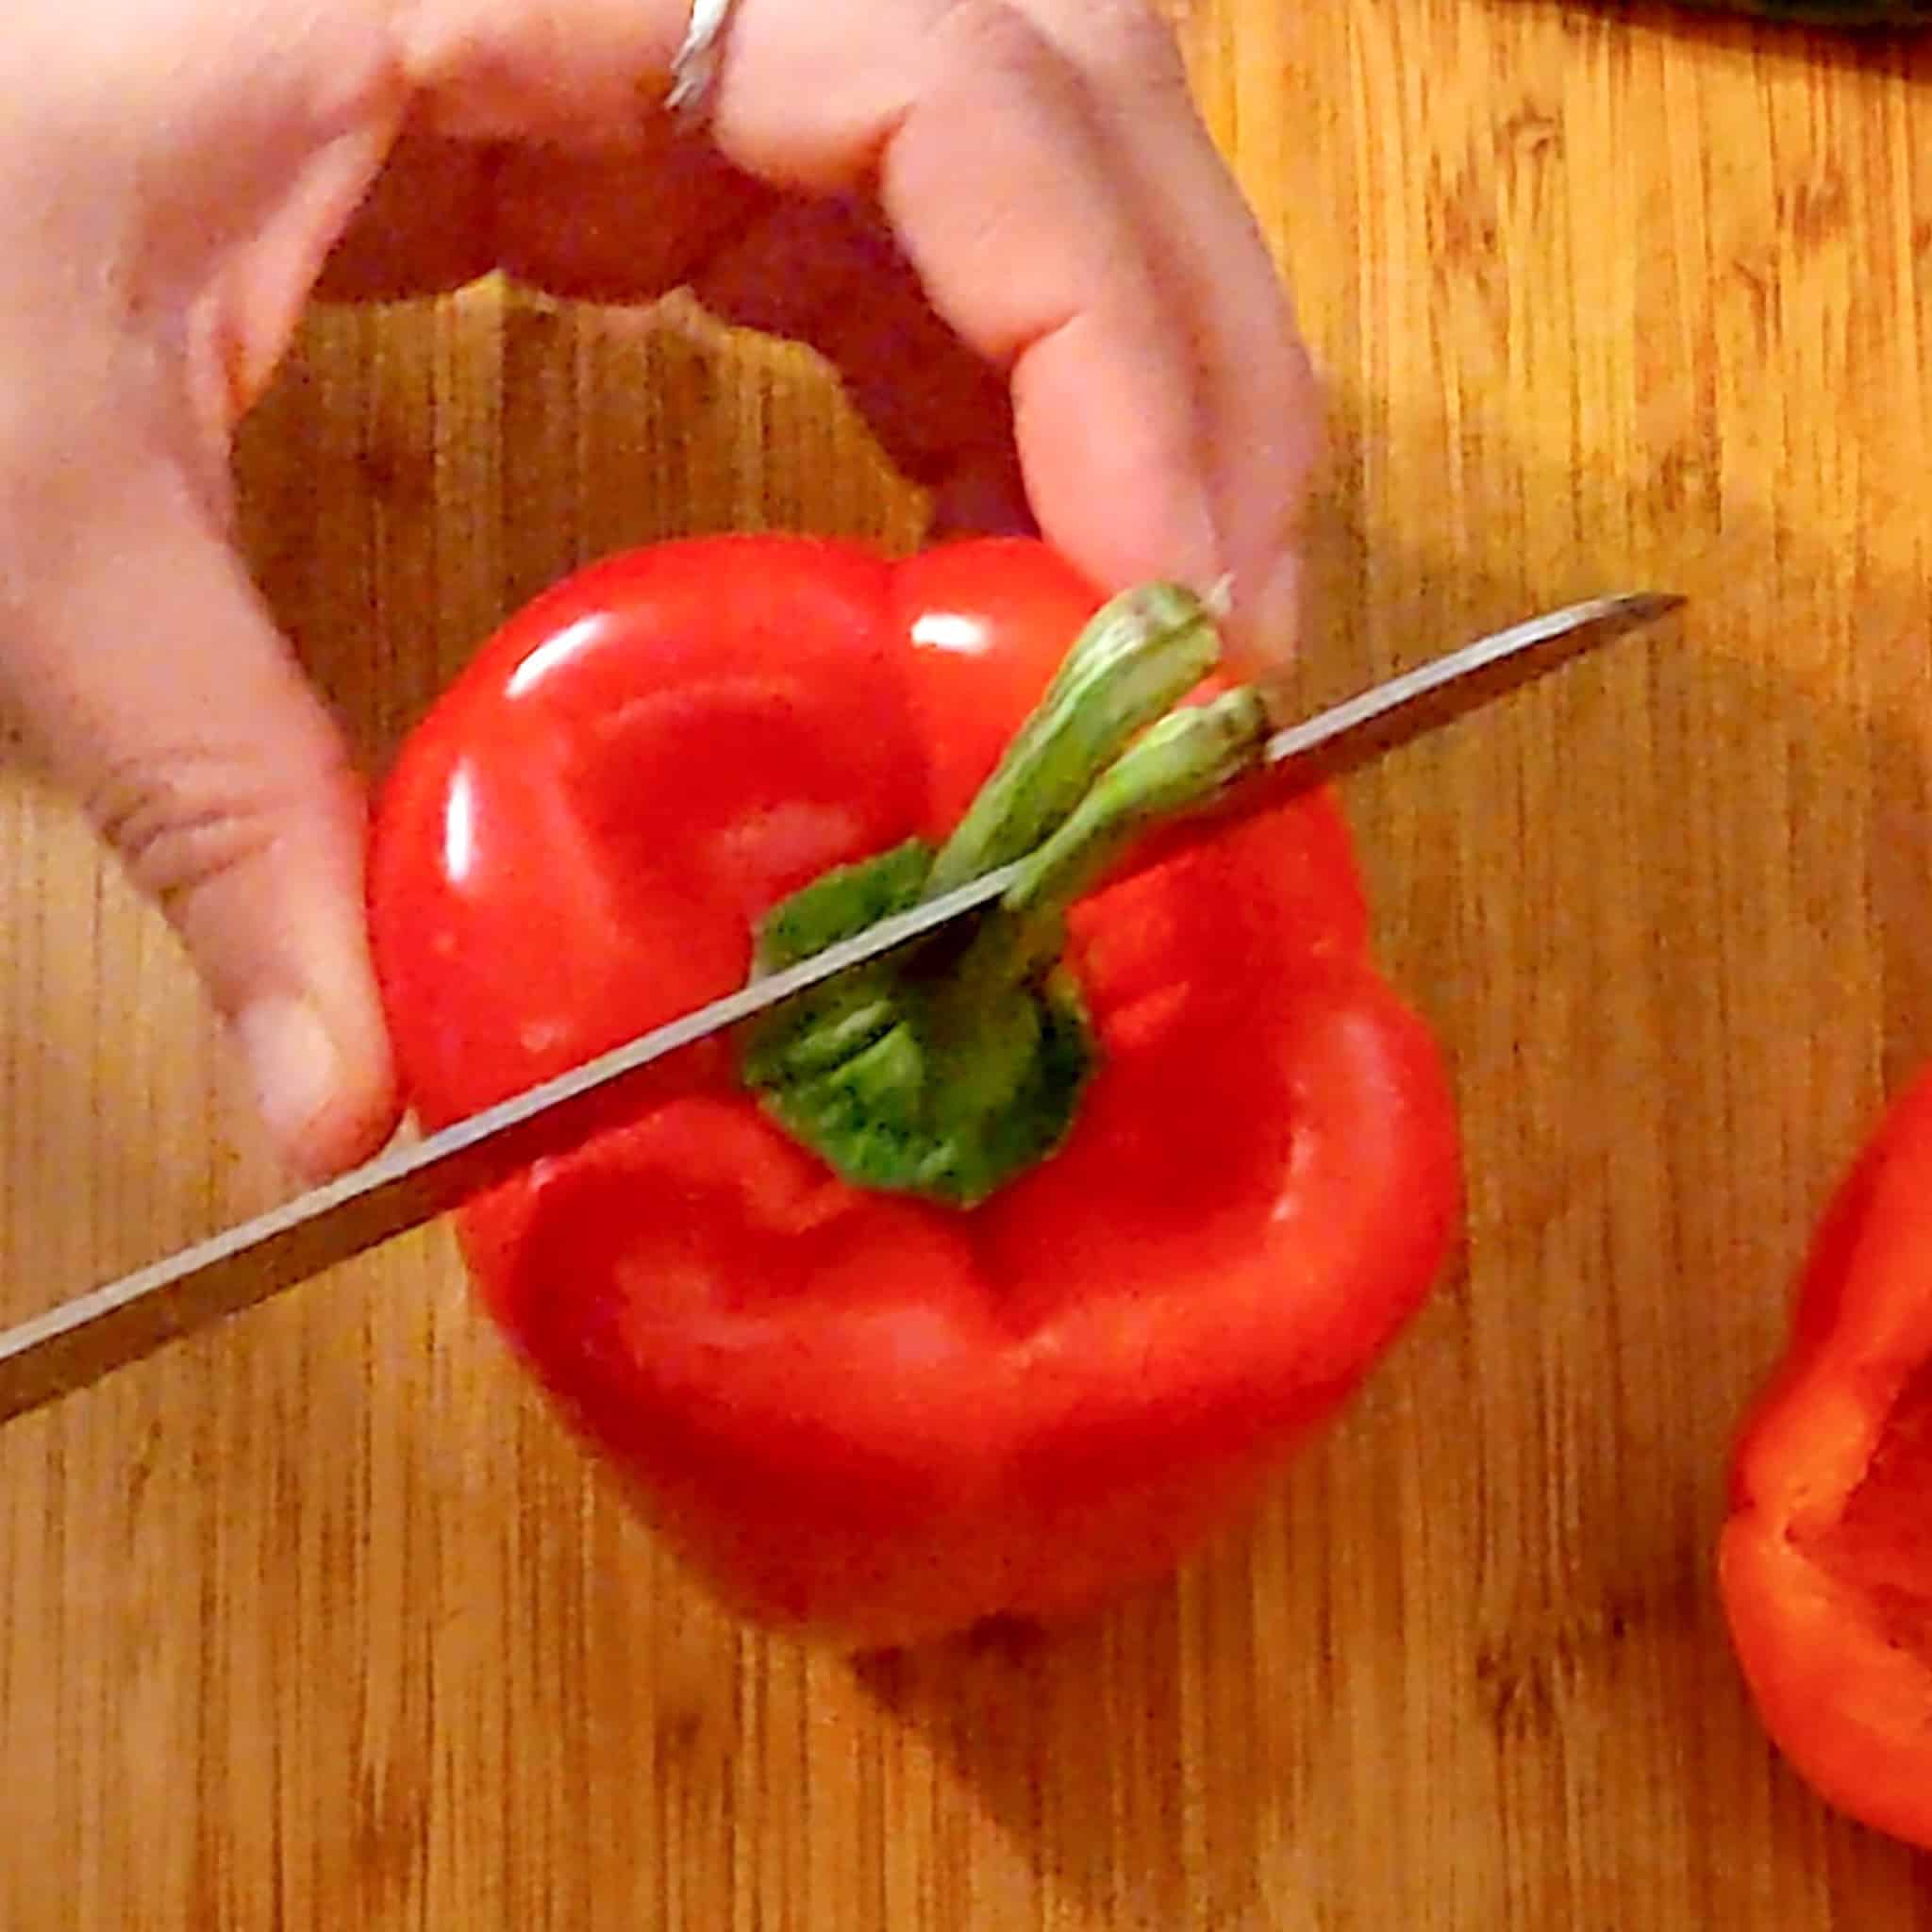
(859, 1413)
(1825, 1560)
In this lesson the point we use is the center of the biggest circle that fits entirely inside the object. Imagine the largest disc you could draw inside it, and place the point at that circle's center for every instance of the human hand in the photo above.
(1003, 221)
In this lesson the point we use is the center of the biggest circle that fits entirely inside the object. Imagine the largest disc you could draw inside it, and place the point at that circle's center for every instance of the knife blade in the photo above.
(78, 1341)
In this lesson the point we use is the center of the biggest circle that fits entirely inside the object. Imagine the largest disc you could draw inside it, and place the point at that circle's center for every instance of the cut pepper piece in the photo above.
(1825, 1559)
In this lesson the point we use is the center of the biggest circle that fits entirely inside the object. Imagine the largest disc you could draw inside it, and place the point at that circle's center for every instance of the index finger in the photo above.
(1043, 170)
(1047, 175)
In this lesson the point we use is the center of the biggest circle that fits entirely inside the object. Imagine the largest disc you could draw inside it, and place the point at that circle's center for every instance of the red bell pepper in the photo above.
(883, 1411)
(1825, 1559)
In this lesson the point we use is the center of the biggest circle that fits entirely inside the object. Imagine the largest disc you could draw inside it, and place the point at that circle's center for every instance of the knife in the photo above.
(82, 1339)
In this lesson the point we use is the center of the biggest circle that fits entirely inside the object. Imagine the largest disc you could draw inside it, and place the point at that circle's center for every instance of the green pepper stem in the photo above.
(1183, 764)
(948, 1073)
(1138, 657)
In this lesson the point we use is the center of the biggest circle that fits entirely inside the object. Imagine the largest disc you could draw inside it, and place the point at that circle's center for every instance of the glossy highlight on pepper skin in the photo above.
(1824, 1564)
(861, 1414)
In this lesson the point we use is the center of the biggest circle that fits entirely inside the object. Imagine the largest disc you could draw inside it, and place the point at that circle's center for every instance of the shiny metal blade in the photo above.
(1362, 727)
(82, 1339)
(49, 1356)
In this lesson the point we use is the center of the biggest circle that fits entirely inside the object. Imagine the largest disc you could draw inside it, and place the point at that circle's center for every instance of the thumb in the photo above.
(142, 669)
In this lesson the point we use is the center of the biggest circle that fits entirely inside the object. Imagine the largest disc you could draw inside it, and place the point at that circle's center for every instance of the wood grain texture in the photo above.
(318, 1622)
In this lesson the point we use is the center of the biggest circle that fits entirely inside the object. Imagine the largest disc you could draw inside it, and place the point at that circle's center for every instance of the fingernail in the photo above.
(1275, 615)
(293, 1060)
(1266, 627)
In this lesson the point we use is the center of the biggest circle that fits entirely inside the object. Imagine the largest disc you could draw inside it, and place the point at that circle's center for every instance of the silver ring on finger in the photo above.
(695, 66)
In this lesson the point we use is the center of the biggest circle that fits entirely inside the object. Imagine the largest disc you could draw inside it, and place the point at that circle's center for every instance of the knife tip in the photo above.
(1641, 607)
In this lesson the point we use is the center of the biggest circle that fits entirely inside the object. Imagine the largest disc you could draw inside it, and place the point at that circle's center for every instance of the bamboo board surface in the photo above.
(318, 1621)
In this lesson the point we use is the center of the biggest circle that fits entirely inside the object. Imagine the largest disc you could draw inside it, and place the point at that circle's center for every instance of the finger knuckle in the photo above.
(993, 37)
(1129, 48)
(186, 817)
(1122, 47)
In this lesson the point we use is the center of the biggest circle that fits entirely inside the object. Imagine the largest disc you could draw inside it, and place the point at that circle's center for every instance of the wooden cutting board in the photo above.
(318, 1622)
